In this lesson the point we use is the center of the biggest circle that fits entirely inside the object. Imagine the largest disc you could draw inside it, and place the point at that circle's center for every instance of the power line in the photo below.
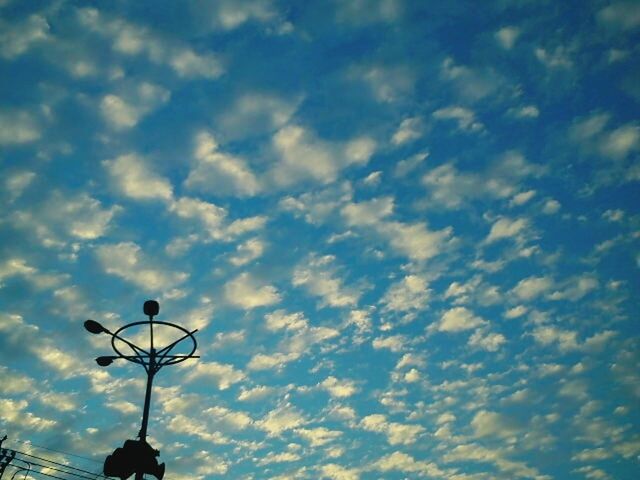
(92, 474)
(58, 451)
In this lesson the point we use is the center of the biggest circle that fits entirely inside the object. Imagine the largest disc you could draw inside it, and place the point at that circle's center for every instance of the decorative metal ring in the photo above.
(172, 361)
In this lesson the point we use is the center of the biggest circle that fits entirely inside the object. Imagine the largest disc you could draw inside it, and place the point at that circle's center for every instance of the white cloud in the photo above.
(620, 15)
(334, 471)
(302, 156)
(474, 452)
(220, 374)
(408, 165)
(128, 108)
(318, 276)
(395, 343)
(254, 113)
(458, 319)
(133, 40)
(218, 172)
(246, 292)
(522, 198)
(397, 433)
(414, 240)
(576, 288)
(125, 260)
(387, 83)
(451, 187)
(487, 340)
(362, 12)
(410, 129)
(524, 112)
(338, 388)
(465, 117)
(18, 127)
(470, 84)
(507, 37)
(400, 461)
(247, 252)
(551, 207)
(231, 14)
(318, 436)
(135, 179)
(280, 420)
(280, 320)
(492, 424)
(16, 183)
(532, 287)
(18, 37)
(410, 293)
(565, 340)
(14, 412)
(558, 58)
(256, 393)
(66, 218)
(507, 228)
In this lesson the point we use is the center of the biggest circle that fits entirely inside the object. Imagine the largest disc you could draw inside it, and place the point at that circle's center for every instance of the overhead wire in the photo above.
(92, 475)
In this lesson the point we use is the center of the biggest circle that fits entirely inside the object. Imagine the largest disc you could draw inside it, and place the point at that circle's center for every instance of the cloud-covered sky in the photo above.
(407, 231)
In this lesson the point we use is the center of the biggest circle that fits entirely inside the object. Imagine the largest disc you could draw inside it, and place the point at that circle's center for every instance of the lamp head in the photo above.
(94, 327)
(104, 361)
(151, 308)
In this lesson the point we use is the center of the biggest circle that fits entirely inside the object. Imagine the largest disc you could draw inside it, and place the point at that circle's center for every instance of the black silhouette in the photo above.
(137, 456)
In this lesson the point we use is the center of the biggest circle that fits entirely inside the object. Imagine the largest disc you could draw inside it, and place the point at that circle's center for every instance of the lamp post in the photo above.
(152, 360)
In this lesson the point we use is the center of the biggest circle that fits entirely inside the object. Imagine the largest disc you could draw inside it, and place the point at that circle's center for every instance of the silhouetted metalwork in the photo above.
(6, 456)
(137, 456)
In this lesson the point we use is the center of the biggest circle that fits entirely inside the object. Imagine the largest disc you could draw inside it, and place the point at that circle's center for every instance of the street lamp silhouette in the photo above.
(137, 456)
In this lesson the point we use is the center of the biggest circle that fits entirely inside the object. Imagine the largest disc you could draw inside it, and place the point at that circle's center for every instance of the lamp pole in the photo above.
(152, 360)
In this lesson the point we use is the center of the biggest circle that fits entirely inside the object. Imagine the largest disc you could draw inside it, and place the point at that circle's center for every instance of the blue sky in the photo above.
(408, 233)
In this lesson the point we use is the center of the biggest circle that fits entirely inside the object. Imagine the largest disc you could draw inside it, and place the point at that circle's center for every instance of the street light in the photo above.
(138, 456)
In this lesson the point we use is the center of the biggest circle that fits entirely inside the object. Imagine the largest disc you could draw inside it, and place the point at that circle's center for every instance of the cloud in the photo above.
(15, 184)
(488, 341)
(470, 84)
(128, 108)
(18, 37)
(220, 173)
(532, 287)
(565, 340)
(334, 471)
(410, 293)
(397, 433)
(280, 320)
(247, 252)
(387, 83)
(458, 319)
(448, 186)
(221, 374)
(395, 343)
(62, 218)
(413, 240)
(136, 40)
(318, 436)
(402, 462)
(410, 129)
(505, 228)
(620, 15)
(18, 127)
(507, 36)
(280, 420)
(135, 179)
(465, 117)
(254, 113)
(303, 157)
(318, 276)
(338, 388)
(232, 14)
(246, 292)
(362, 12)
(125, 260)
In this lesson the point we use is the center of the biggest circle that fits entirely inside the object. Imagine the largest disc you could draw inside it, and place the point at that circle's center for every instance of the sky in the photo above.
(406, 231)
